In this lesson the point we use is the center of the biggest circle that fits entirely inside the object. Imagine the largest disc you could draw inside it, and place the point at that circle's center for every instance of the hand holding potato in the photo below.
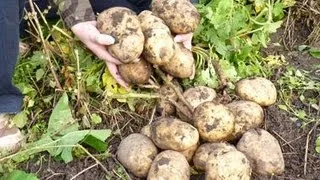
(96, 42)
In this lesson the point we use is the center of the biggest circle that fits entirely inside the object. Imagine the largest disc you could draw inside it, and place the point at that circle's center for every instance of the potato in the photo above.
(135, 72)
(180, 15)
(136, 153)
(159, 46)
(169, 165)
(215, 122)
(259, 90)
(181, 65)
(122, 24)
(263, 151)
(201, 155)
(188, 153)
(165, 107)
(146, 130)
(248, 115)
(172, 133)
(196, 96)
(229, 165)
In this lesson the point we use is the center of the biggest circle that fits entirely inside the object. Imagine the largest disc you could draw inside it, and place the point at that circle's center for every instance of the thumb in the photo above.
(103, 39)
(179, 38)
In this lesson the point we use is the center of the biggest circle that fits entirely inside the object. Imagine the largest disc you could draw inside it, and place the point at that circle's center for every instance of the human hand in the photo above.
(96, 42)
(185, 39)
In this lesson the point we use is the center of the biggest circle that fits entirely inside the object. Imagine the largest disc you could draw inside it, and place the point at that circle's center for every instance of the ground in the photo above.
(292, 137)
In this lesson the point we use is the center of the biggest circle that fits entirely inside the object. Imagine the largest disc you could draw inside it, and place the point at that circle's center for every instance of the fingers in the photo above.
(115, 73)
(104, 39)
(102, 53)
(185, 39)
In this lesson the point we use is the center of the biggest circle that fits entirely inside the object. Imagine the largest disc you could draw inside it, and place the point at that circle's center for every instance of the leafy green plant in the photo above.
(232, 33)
(62, 136)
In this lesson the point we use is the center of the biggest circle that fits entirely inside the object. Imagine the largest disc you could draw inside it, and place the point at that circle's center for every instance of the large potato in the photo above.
(259, 90)
(136, 153)
(201, 155)
(122, 24)
(159, 45)
(196, 96)
(263, 151)
(248, 115)
(180, 15)
(135, 72)
(171, 133)
(228, 166)
(181, 65)
(169, 165)
(215, 122)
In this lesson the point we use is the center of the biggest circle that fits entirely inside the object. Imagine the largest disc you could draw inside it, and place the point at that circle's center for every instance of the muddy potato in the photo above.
(169, 165)
(136, 153)
(181, 65)
(215, 122)
(259, 90)
(146, 130)
(188, 153)
(229, 165)
(159, 45)
(135, 72)
(263, 151)
(196, 96)
(201, 155)
(181, 16)
(248, 115)
(172, 133)
(122, 24)
(164, 106)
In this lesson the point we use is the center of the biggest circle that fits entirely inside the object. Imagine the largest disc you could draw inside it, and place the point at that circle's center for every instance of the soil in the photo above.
(293, 138)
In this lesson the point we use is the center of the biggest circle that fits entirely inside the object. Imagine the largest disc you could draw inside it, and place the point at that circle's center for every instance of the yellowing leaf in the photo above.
(111, 85)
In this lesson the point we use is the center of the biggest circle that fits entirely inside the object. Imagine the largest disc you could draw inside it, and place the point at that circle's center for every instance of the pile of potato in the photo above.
(148, 39)
(223, 140)
(196, 131)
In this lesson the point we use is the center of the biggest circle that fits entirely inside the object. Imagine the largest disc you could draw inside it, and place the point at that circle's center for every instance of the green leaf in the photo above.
(272, 27)
(39, 74)
(19, 175)
(74, 138)
(283, 107)
(318, 144)
(61, 120)
(302, 47)
(20, 119)
(314, 52)
(96, 119)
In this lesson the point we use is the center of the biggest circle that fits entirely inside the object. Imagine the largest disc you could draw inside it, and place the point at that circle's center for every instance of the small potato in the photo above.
(259, 90)
(135, 72)
(169, 165)
(181, 16)
(174, 134)
(188, 153)
(136, 153)
(215, 122)
(122, 24)
(201, 156)
(165, 107)
(146, 130)
(196, 96)
(227, 166)
(248, 115)
(263, 151)
(181, 65)
(159, 45)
